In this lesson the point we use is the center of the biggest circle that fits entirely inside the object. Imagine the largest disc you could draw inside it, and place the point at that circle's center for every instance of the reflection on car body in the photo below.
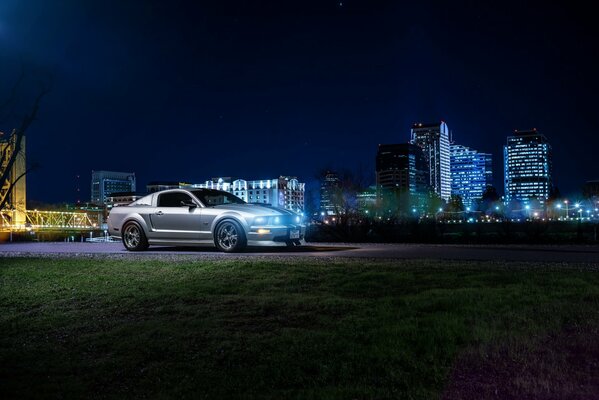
(179, 217)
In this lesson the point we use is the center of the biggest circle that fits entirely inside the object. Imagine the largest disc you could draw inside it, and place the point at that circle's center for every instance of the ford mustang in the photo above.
(195, 217)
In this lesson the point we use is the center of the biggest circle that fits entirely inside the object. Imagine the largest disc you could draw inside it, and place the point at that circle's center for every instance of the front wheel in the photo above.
(134, 237)
(229, 237)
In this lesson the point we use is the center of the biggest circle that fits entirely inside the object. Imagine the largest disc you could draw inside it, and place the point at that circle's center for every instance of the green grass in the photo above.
(269, 329)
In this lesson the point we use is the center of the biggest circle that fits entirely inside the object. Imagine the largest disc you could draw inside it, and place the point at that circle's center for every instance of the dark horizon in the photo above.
(189, 91)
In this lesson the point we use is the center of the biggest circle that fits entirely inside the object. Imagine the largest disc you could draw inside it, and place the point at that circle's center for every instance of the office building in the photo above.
(527, 166)
(105, 183)
(471, 173)
(402, 167)
(433, 139)
(330, 185)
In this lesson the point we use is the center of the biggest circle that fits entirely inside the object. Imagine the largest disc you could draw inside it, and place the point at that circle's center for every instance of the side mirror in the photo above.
(188, 203)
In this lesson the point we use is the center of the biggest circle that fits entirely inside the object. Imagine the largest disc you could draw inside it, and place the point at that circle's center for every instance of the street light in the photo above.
(440, 210)
(559, 207)
(580, 213)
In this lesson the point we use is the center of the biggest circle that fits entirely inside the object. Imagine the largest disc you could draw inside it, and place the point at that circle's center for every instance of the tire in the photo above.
(134, 238)
(229, 237)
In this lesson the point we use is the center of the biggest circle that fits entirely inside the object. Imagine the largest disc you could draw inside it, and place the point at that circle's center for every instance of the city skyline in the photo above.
(186, 92)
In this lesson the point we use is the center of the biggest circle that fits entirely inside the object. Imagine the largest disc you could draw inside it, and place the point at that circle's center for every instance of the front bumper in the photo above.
(276, 235)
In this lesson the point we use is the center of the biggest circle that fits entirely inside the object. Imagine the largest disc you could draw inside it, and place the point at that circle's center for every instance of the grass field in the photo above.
(297, 329)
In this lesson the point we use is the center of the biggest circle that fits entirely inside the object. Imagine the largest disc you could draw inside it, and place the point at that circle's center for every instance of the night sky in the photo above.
(190, 90)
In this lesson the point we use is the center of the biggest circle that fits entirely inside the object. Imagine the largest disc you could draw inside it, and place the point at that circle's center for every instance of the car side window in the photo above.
(173, 199)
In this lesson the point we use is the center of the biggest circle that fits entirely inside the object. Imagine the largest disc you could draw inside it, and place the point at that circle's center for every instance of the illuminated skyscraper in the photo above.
(527, 166)
(433, 139)
(470, 173)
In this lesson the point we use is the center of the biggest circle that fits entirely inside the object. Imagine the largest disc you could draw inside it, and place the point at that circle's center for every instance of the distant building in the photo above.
(471, 173)
(284, 192)
(157, 186)
(17, 194)
(527, 167)
(329, 186)
(433, 139)
(121, 199)
(367, 199)
(105, 183)
(402, 167)
(590, 189)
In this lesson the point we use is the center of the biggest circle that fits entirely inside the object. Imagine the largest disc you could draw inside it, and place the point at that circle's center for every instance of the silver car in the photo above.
(195, 217)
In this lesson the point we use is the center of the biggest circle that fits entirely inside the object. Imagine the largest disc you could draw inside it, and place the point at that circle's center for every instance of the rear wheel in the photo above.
(134, 237)
(230, 237)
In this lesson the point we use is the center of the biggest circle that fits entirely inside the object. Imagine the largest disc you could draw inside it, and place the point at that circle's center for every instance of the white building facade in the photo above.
(284, 192)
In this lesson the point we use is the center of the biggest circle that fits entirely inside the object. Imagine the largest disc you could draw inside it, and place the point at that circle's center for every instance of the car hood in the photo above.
(256, 209)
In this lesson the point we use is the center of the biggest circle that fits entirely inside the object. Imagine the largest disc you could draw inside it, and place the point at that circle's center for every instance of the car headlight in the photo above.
(260, 220)
(267, 221)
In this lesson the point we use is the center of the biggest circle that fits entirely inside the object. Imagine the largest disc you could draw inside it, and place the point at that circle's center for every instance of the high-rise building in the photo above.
(402, 166)
(471, 173)
(284, 192)
(433, 139)
(329, 187)
(527, 166)
(15, 187)
(104, 183)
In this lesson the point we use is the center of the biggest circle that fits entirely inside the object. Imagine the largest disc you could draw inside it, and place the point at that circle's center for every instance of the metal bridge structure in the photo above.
(51, 221)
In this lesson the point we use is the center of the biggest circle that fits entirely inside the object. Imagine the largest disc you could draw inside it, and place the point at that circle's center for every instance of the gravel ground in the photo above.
(524, 253)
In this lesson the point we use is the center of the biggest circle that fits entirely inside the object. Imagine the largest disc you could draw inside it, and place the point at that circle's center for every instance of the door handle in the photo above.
(159, 213)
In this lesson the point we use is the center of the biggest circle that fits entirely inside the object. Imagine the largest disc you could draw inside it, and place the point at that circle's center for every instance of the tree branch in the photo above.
(17, 136)
(4, 200)
(12, 97)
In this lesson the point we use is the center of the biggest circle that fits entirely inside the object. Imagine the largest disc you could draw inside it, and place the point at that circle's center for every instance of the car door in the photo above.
(173, 221)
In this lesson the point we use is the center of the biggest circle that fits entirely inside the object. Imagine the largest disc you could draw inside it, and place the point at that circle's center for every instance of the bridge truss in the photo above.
(51, 220)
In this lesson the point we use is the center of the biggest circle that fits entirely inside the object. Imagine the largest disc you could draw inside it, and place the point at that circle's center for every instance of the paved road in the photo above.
(568, 253)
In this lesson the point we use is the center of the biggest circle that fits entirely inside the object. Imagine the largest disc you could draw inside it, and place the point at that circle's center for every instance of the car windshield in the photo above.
(211, 198)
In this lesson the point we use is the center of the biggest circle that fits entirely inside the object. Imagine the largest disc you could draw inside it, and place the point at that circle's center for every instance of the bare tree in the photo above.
(11, 152)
